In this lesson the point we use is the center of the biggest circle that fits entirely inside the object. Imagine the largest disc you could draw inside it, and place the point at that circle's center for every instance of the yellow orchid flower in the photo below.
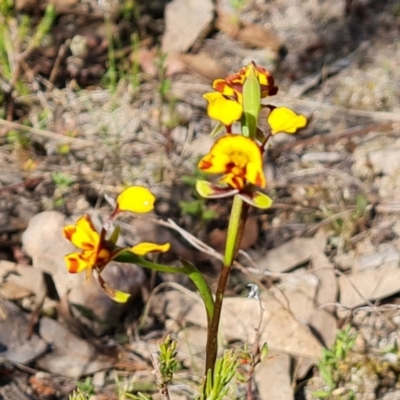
(238, 158)
(96, 251)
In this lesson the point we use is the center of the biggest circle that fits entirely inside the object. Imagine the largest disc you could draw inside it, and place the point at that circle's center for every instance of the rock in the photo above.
(15, 345)
(70, 356)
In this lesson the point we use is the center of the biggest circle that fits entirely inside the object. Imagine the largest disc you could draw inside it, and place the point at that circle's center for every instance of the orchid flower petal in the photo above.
(83, 234)
(282, 119)
(136, 199)
(143, 248)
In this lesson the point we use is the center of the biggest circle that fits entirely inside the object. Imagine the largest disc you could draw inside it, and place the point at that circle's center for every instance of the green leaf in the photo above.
(209, 215)
(190, 207)
(321, 394)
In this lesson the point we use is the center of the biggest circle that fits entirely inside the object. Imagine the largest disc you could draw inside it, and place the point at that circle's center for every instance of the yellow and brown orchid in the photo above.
(239, 159)
(97, 250)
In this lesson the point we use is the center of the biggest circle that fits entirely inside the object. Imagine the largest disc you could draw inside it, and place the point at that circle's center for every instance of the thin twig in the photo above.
(47, 134)
(326, 139)
(256, 354)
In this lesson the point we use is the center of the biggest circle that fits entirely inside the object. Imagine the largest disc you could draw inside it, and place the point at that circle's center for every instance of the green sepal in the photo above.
(210, 191)
(251, 103)
(114, 235)
(258, 200)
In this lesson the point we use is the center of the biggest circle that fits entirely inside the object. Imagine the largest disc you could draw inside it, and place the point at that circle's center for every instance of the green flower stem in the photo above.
(237, 222)
(188, 269)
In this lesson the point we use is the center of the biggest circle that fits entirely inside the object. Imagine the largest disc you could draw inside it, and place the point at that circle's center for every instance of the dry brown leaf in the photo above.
(217, 237)
(147, 60)
(298, 294)
(356, 289)
(204, 65)
(292, 254)
(272, 377)
(228, 23)
(18, 281)
(253, 35)
(257, 36)
(324, 270)
(185, 23)
(322, 319)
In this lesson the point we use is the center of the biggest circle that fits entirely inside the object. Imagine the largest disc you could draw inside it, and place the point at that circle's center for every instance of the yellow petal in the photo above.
(142, 249)
(136, 199)
(233, 145)
(222, 109)
(221, 85)
(282, 119)
(83, 234)
(214, 163)
(235, 181)
(255, 174)
(76, 263)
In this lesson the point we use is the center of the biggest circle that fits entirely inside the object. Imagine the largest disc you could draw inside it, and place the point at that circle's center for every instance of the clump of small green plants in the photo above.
(62, 184)
(83, 390)
(19, 37)
(345, 374)
(333, 360)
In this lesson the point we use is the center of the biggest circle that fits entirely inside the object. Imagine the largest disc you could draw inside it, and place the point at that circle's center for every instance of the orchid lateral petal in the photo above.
(258, 200)
(136, 199)
(282, 119)
(116, 295)
(142, 249)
